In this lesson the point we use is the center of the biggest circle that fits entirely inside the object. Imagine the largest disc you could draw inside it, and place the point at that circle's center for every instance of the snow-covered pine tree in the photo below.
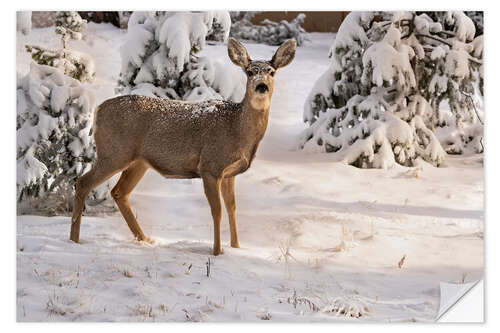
(70, 25)
(268, 32)
(451, 79)
(218, 31)
(391, 77)
(160, 57)
(78, 65)
(54, 141)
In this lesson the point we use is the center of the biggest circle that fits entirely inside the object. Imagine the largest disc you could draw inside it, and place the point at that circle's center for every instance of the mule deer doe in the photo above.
(213, 140)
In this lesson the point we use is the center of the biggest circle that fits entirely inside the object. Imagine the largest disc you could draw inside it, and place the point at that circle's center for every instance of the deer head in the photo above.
(260, 74)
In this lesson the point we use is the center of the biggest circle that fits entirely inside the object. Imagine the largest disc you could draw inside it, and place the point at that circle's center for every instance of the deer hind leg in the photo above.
(212, 192)
(227, 190)
(99, 173)
(121, 192)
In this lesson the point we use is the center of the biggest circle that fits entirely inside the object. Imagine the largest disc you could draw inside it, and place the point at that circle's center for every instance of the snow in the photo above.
(457, 61)
(229, 81)
(29, 169)
(295, 263)
(465, 29)
(438, 52)
(137, 39)
(478, 45)
(388, 60)
(23, 21)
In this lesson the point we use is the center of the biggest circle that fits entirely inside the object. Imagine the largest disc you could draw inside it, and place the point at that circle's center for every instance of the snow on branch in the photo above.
(54, 142)
(160, 57)
(75, 64)
(268, 32)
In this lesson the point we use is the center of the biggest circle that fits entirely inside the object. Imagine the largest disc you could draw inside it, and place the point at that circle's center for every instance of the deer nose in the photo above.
(262, 88)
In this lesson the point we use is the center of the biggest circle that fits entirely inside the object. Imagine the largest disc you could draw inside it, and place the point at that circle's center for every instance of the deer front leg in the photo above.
(121, 192)
(227, 190)
(212, 191)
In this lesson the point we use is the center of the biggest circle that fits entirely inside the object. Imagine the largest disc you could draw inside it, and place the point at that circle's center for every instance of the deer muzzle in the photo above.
(262, 88)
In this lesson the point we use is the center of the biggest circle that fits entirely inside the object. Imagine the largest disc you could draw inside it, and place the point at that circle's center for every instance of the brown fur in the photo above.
(212, 140)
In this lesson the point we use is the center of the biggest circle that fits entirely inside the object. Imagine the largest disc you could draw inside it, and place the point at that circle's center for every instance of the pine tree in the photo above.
(383, 99)
(75, 64)
(54, 138)
(70, 25)
(160, 57)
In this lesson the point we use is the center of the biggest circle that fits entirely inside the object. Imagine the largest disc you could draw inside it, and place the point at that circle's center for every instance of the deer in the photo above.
(213, 140)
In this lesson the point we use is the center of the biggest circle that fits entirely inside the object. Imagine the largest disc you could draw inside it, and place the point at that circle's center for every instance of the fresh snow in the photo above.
(295, 263)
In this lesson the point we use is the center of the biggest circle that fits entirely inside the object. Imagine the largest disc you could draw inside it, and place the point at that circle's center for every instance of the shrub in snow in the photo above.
(160, 57)
(268, 32)
(23, 22)
(54, 142)
(384, 98)
(75, 64)
(348, 306)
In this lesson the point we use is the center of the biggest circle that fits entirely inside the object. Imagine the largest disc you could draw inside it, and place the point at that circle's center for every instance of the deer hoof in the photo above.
(235, 245)
(145, 240)
(74, 238)
(218, 251)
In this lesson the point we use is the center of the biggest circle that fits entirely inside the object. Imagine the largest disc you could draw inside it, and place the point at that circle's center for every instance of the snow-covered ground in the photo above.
(291, 209)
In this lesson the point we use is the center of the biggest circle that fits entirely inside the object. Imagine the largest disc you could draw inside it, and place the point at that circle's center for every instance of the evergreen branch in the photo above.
(447, 33)
(469, 97)
(475, 60)
(434, 38)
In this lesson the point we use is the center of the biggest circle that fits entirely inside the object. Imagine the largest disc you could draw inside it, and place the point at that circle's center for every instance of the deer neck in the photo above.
(254, 120)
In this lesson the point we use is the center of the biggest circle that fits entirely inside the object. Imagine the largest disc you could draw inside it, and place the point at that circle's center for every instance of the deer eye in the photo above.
(272, 73)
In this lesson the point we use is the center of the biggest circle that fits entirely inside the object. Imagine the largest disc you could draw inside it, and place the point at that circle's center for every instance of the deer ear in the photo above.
(285, 54)
(237, 53)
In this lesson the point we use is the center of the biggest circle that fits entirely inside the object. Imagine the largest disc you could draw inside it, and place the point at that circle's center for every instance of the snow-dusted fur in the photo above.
(382, 97)
(160, 57)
